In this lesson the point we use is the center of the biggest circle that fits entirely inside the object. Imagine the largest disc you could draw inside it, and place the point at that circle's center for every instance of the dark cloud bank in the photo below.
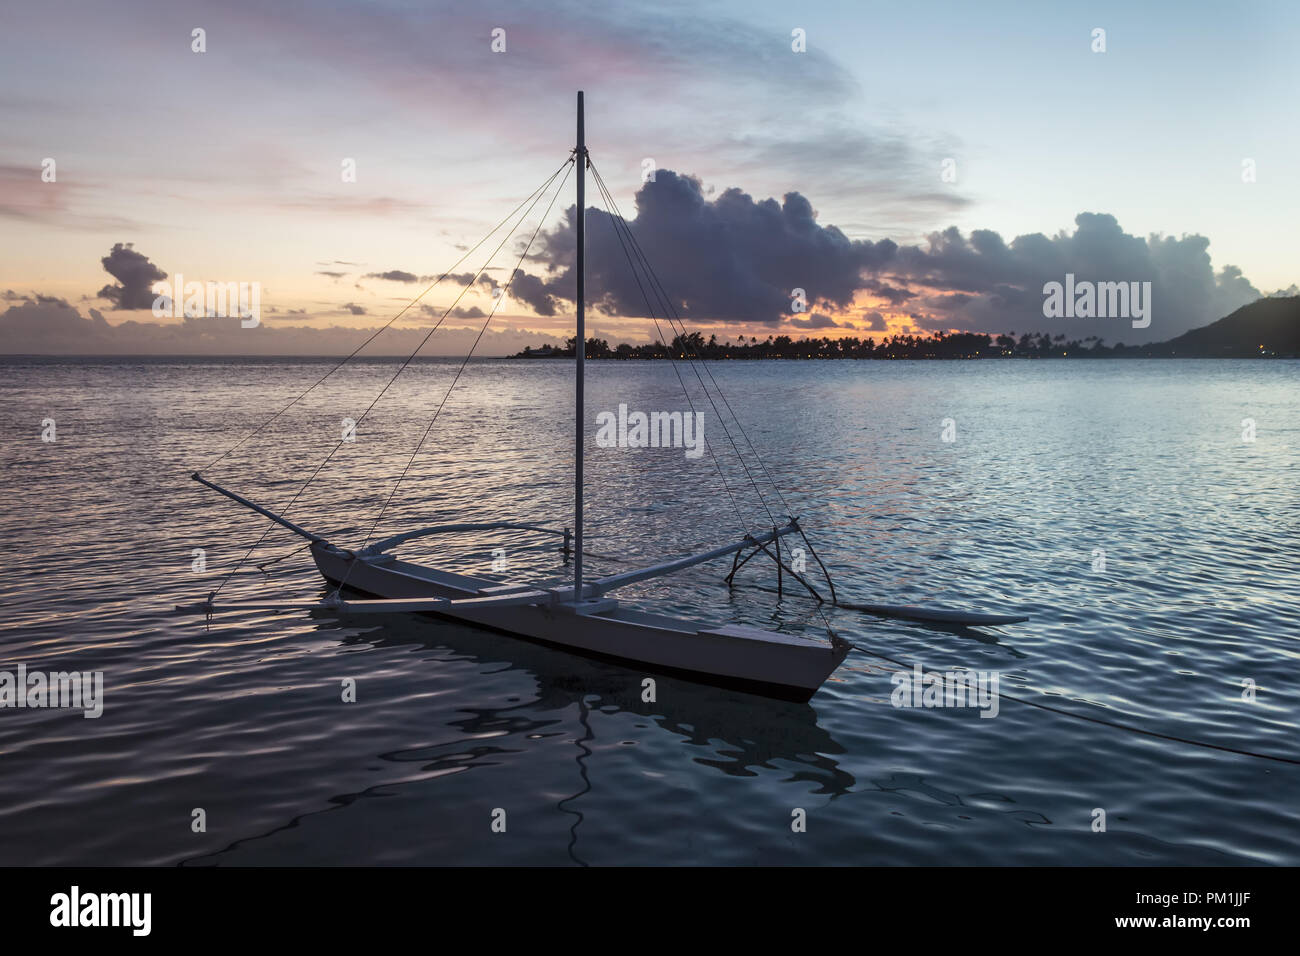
(735, 259)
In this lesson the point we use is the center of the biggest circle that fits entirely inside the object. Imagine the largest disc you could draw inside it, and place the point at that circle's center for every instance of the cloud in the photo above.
(980, 282)
(895, 296)
(355, 309)
(875, 322)
(135, 273)
(395, 275)
(59, 204)
(459, 312)
(728, 259)
(332, 275)
(34, 327)
(465, 278)
(816, 321)
(538, 294)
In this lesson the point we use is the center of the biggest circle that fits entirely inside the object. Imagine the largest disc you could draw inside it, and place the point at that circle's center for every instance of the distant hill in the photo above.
(1265, 327)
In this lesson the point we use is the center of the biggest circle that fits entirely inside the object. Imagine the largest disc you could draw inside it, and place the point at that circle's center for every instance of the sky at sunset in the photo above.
(914, 169)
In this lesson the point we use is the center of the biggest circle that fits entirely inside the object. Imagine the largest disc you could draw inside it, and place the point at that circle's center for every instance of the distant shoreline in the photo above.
(53, 359)
(1134, 352)
(1266, 328)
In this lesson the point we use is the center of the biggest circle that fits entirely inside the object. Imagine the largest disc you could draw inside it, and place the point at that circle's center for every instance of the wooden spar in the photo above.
(378, 606)
(779, 583)
(259, 509)
(737, 564)
(595, 589)
(795, 574)
(813, 551)
(516, 597)
(580, 346)
(668, 567)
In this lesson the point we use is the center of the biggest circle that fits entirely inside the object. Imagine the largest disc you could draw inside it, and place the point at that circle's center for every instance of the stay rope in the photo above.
(740, 518)
(617, 219)
(535, 197)
(621, 228)
(672, 316)
(382, 328)
(456, 378)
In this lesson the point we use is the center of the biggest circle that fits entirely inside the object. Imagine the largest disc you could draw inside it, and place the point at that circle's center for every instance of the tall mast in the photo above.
(580, 158)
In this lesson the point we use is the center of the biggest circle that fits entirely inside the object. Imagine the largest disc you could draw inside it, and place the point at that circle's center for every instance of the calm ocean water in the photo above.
(1053, 461)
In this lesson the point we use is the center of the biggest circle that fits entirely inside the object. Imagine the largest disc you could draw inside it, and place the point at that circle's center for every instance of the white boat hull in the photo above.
(735, 656)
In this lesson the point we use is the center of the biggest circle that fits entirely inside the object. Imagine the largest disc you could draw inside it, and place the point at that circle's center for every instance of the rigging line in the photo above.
(388, 385)
(429, 428)
(717, 463)
(384, 327)
(663, 295)
(740, 518)
(668, 311)
(1106, 723)
(825, 573)
(616, 218)
(672, 312)
(266, 564)
(673, 316)
(744, 528)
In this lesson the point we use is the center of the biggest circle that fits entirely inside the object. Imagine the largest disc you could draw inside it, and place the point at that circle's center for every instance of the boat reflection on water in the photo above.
(735, 733)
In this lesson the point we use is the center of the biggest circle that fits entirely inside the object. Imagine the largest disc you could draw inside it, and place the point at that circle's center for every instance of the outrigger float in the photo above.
(583, 617)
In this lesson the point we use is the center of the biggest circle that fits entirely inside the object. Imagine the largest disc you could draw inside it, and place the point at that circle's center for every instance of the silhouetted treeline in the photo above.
(936, 345)
(1266, 328)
